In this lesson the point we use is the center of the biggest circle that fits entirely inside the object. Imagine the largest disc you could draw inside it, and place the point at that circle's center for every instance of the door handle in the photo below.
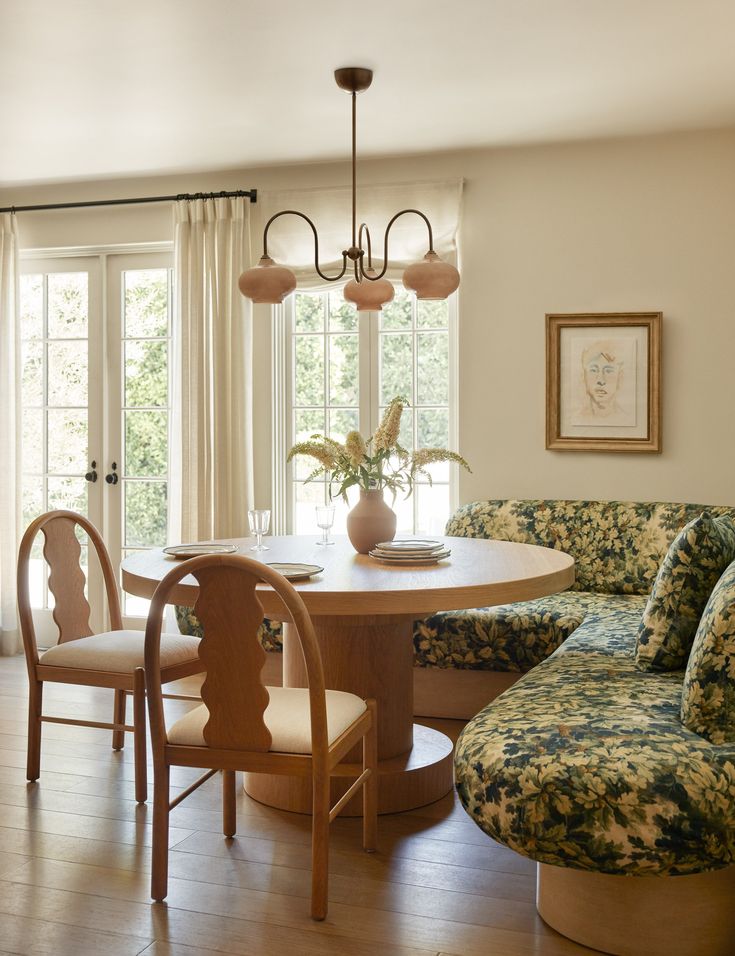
(92, 473)
(112, 477)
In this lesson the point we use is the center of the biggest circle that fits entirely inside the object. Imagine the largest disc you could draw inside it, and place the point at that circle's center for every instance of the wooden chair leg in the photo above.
(35, 709)
(370, 788)
(139, 741)
(320, 847)
(159, 853)
(229, 803)
(118, 717)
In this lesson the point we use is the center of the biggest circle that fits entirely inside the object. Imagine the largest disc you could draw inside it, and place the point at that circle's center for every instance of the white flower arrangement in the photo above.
(376, 463)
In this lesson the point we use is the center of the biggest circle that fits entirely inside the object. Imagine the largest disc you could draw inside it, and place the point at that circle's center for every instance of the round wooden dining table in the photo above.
(363, 612)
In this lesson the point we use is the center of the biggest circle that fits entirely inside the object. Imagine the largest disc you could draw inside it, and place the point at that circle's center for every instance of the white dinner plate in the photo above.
(398, 555)
(410, 558)
(296, 572)
(421, 545)
(195, 550)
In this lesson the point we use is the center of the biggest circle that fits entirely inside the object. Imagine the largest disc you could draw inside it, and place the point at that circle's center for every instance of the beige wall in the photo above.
(635, 224)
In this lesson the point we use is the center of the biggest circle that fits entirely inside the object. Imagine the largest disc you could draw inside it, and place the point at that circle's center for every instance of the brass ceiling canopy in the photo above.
(430, 278)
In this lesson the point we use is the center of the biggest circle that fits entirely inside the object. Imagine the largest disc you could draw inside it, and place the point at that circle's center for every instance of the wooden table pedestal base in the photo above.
(372, 657)
(421, 776)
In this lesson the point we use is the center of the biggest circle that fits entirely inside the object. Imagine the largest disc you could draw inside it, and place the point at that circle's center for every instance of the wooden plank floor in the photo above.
(75, 847)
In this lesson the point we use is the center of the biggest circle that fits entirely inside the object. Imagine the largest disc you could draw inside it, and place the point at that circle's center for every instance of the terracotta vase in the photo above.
(370, 521)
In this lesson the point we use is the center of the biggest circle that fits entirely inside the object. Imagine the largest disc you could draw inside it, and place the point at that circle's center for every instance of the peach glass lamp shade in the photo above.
(432, 278)
(267, 283)
(369, 296)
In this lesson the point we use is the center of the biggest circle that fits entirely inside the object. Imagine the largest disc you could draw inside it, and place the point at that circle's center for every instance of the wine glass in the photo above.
(259, 520)
(325, 520)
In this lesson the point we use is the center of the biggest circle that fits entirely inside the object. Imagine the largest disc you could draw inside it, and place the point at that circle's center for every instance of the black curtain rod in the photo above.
(251, 193)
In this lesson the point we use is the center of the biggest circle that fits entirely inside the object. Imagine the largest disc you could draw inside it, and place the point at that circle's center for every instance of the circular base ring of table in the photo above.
(422, 775)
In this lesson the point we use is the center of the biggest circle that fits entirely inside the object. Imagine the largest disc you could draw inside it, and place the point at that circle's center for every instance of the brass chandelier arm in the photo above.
(382, 272)
(295, 212)
(364, 229)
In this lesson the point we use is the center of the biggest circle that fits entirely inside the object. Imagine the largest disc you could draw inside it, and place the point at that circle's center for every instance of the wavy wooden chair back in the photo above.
(233, 690)
(62, 551)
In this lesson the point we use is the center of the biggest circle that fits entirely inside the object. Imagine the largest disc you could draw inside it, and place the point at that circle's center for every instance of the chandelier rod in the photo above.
(354, 169)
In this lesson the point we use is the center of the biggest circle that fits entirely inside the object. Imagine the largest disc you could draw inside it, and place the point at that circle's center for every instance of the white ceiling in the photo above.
(94, 88)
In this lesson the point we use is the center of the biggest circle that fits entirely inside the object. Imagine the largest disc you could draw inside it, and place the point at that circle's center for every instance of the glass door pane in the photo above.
(139, 398)
(61, 402)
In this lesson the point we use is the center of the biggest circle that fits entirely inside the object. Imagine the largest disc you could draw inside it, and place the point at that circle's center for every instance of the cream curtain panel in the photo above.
(291, 243)
(211, 441)
(10, 434)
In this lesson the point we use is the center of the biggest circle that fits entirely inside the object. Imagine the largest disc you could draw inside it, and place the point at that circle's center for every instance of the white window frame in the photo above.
(282, 357)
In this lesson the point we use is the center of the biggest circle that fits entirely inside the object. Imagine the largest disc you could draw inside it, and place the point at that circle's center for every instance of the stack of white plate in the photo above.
(410, 551)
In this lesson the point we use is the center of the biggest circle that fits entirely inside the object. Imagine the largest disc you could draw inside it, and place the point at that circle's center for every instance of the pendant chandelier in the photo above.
(430, 278)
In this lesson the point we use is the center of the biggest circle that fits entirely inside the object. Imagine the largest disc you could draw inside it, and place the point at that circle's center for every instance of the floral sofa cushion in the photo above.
(708, 695)
(509, 637)
(513, 637)
(695, 560)
(269, 632)
(585, 763)
(617, 546)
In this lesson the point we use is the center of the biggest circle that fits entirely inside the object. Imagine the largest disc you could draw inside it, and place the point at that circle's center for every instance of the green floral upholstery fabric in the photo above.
(695, 560)
(509, 637)
(708, 695)
(269, 633)
(617, 546)
(585, 763)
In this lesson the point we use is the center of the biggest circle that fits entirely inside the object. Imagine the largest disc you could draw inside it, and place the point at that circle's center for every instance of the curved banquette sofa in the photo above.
(597, 763)
(584, 762)
(465, 658)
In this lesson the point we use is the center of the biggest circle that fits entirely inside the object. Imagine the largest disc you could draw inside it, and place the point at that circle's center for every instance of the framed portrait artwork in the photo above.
(603, 381)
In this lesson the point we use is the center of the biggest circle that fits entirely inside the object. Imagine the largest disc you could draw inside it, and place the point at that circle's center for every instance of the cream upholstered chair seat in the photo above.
(287, 717)
(119, 652)
(113, 659)
(242, 725)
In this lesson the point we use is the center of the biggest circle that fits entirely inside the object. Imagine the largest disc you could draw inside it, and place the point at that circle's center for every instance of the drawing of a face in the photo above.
(602, 377)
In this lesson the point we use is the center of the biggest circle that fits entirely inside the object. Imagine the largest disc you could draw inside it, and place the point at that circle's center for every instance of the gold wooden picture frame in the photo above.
(603, 381)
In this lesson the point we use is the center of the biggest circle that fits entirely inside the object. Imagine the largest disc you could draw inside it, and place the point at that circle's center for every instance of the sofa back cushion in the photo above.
(696, 558)
(708, 694)
(617, 546)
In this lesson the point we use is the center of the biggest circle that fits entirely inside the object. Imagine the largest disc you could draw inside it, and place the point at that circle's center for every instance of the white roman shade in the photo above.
(291, 241)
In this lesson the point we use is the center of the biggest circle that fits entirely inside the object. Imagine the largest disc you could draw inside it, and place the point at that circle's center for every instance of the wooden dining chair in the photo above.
(111, 659)
(244, 725)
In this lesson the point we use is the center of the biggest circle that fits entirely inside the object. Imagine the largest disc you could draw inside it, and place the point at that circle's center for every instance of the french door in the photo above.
(96, 333)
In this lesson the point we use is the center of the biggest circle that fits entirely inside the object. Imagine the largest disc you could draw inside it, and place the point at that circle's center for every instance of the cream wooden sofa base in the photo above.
(636, 915)
(454, 693)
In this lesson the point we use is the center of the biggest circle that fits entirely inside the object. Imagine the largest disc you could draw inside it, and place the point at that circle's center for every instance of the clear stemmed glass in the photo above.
(259, 519)
(325, 520)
